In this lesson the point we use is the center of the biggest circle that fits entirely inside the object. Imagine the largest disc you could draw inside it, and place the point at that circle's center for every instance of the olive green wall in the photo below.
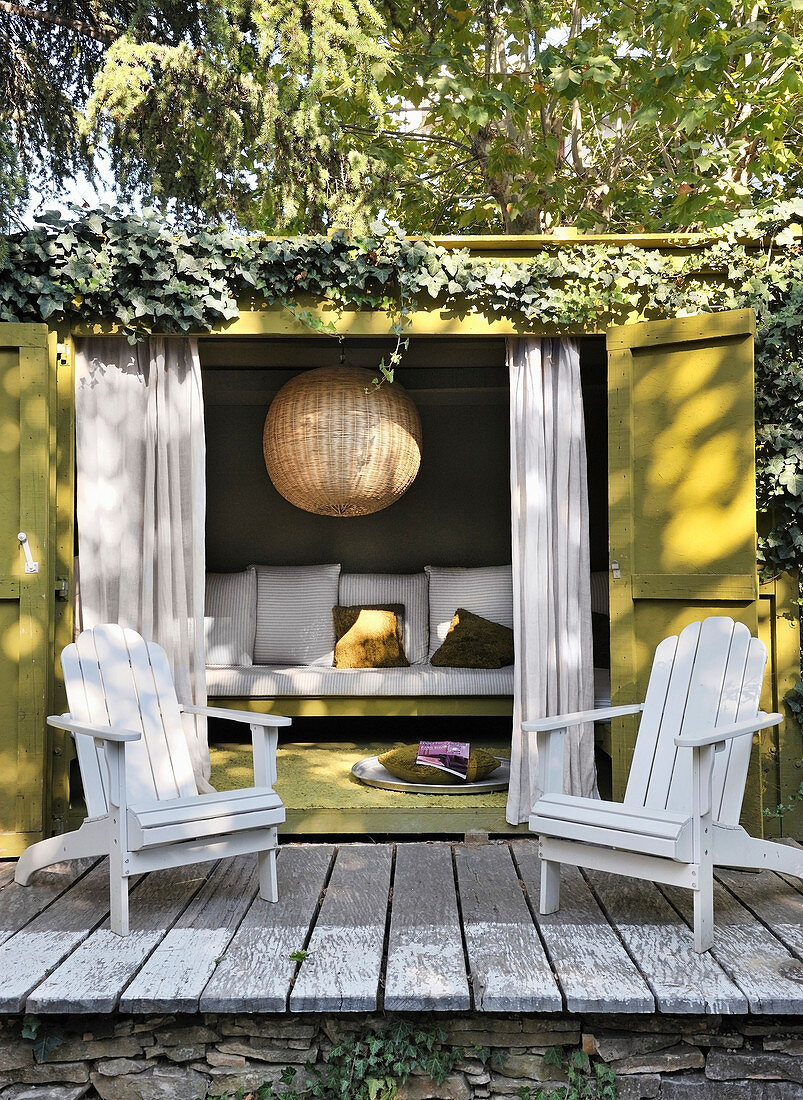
(457, 511)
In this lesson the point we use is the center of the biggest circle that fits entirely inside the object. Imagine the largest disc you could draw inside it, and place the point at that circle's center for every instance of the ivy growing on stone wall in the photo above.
(144, 276)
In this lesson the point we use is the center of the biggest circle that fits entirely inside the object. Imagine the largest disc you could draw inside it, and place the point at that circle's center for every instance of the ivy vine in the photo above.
(143, 276)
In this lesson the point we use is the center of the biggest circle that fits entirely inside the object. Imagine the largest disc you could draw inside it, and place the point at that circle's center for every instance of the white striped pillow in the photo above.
(486, 591)
(409, 589)
(294, 624)
(230, 615)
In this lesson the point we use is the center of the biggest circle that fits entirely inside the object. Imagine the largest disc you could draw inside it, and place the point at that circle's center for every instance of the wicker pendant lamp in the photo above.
(337, 445)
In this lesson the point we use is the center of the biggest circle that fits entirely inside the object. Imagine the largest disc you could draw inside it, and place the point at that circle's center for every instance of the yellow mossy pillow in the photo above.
(475, 642)
(369, 637)
(400, 762)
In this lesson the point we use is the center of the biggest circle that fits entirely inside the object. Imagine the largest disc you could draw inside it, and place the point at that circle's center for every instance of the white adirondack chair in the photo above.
(143, 808)
(680, 813)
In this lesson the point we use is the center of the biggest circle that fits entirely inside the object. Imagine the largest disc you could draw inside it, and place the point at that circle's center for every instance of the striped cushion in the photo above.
(294, 614)
(416, 681)
(262, 681)
(230, 618)
(487, 592)
(409, 589)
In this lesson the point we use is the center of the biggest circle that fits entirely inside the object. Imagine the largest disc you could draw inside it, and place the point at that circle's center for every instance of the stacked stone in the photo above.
(203, 1056)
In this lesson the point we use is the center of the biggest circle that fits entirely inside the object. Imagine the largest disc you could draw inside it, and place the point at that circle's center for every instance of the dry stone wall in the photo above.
(203, 1056)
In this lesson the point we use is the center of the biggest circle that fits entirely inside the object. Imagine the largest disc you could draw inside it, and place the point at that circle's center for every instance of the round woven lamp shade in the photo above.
(337, 445)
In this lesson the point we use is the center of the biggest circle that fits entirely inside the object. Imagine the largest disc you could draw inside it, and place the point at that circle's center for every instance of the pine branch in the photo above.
(103, 32)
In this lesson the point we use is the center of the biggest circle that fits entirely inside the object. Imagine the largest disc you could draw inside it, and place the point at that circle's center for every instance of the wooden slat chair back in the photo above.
(106, 689)
(679, 816)
(709, 676)
(143, 808)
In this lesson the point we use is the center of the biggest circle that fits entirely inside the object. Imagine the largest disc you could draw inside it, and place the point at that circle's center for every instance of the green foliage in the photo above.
(250, 118)
(50, 54)
(42, 1040)
(601, 115)
(137, 273)
(793, 801)
(370, 1066)
(299, 115)
(585, 1079)
(259, 113)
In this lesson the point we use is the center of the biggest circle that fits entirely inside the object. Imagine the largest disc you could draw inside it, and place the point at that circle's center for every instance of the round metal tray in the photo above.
(371, 772)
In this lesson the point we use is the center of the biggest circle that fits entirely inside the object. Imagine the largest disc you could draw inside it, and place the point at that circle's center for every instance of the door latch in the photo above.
(616, 572)
(31, 566)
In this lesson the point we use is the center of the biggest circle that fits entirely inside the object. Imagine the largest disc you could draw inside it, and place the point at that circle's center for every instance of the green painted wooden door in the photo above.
(681, 490)
(26, 596)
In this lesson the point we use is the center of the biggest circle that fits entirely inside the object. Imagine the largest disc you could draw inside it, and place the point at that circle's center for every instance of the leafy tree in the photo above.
(233, 110)
(49, 56)
(523, 116)
(477, 115)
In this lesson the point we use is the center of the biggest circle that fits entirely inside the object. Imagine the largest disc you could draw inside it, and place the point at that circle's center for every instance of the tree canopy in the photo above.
(498, 115)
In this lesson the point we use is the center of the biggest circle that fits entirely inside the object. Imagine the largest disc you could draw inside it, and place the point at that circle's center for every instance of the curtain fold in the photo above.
(141, 503)
(551, 564)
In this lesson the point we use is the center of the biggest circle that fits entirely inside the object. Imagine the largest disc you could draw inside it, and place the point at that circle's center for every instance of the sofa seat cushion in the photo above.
(316, 681)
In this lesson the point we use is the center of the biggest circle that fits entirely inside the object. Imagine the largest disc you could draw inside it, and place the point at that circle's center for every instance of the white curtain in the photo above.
(141, 488)
(551, 569)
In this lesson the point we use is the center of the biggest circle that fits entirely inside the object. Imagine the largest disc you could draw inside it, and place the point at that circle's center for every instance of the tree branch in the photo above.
(104, 32)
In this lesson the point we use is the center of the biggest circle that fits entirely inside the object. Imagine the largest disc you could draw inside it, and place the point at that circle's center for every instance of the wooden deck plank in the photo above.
(55, 957)
(175, 975)
(344, 966)
(28, 956)
(256, 971)
(19, 905)
(97, 971)
(682, 980)
(509, 968)
(594, 971)
(426, 966)
(791, 880)
(763, 968)
(773, 900)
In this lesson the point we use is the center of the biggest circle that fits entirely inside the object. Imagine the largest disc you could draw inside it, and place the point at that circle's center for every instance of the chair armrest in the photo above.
(561, 721)
(237, 715)
(101, 733)
(714, 735)
(265, 744)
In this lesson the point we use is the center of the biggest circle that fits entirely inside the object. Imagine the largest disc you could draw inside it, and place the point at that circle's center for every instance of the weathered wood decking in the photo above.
(404, 927)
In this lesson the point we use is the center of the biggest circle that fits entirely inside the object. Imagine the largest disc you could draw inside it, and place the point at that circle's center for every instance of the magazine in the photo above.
(447, 756)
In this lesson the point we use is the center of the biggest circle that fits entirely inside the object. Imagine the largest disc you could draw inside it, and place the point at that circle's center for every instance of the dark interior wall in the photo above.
(457, 512)
(594, 370)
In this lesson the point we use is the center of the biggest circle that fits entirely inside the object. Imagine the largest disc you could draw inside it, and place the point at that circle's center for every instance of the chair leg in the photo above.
(92, 839)
(704, 911)
(550, 886)
(118, 894)
(268, 884)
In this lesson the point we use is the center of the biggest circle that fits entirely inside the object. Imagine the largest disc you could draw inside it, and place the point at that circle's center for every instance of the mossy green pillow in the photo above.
(369, 637)
(400, 762)
(475, 642)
